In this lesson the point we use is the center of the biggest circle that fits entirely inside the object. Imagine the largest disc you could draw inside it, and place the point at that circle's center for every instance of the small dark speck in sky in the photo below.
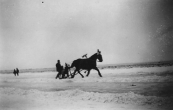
(42, 2)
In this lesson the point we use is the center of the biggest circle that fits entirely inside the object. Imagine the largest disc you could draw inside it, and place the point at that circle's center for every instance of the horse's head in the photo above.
(99, 56)
(96, 56)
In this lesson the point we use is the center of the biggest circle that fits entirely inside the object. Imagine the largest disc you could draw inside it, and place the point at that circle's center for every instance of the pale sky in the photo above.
(36, 33)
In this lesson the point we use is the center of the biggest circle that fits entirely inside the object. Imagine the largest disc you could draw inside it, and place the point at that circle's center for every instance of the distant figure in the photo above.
(59, 69)
(17, 71)
(14, 72)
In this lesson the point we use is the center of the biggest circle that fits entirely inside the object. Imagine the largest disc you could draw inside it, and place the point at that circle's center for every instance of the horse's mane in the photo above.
(93, 57)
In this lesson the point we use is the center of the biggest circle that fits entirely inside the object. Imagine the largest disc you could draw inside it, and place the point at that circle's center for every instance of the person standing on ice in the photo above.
(17, 71)
(14, 72)
(59, 68)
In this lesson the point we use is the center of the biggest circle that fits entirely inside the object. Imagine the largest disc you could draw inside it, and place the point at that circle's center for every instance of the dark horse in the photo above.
(87, 64)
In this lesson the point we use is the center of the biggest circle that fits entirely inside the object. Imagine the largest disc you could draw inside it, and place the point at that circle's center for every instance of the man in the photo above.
(84, 56)
(17, 71)
(59, 68)
(14, 72)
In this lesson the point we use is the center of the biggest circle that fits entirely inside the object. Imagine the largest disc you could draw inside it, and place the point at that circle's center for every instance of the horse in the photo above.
(87, 64)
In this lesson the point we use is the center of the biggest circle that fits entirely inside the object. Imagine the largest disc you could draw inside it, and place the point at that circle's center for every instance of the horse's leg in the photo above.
(80, 74)
(98, 71)
(88, 73)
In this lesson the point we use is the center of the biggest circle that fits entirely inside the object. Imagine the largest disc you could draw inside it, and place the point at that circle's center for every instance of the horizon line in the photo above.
(103, 64)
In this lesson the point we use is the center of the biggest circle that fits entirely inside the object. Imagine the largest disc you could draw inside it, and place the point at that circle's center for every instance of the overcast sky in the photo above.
(36, 33)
